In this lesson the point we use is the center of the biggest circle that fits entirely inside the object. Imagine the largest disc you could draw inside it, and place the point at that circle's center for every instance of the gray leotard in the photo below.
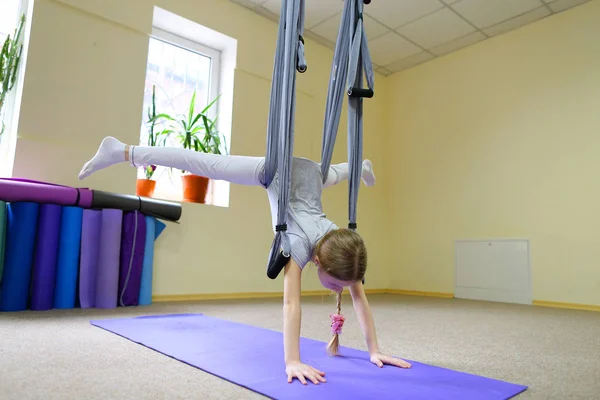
(305, 220)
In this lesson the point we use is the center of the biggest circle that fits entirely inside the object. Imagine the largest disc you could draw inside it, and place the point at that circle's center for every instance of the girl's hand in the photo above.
(303, 371)
(380, 359)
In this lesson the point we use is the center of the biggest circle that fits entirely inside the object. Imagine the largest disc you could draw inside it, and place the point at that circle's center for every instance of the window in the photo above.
(10, 12)
(177, 68)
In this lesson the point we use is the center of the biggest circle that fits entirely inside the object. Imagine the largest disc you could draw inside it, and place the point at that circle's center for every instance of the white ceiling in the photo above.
(405, 33)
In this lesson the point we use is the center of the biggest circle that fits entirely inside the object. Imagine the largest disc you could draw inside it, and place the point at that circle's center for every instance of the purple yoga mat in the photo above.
(253, 358)
(46, 257)
(21, 189)
(133, 241)
(91, 227)
(107, 277)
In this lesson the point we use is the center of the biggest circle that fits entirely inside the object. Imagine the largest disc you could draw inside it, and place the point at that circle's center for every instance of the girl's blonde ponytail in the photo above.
(337, 322)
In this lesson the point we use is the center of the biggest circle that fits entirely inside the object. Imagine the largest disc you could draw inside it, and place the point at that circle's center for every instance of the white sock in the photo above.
(111, 151)
(368, 176)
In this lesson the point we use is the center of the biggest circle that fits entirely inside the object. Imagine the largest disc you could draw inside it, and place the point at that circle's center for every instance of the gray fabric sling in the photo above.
(289, 56)
(351, 59)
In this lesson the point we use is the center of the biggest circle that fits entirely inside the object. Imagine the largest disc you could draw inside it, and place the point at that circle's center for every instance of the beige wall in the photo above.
(501, 140)
(84, 80)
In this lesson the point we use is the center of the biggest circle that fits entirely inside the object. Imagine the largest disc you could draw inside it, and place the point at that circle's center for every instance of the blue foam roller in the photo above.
(18, 258)
(147, 266)
(160, 226)
(69, 245)
(2, 237)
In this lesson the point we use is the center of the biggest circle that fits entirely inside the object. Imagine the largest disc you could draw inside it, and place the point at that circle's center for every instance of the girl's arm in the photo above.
(292, 311)
(292, 314)
(365, 318)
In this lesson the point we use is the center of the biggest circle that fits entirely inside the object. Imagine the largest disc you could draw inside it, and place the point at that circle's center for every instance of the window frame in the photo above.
(214, 82)
(214, 78)
(12, 103)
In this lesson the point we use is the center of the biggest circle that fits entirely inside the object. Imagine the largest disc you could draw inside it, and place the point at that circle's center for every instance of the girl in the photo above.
(339, 254)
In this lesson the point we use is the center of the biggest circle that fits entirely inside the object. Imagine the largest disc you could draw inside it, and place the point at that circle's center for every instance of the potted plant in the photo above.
(198, 132)
(146, 186)
(10, 57)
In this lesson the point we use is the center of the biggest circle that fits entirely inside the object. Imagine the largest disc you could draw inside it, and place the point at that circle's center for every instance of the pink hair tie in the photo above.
(337, 322)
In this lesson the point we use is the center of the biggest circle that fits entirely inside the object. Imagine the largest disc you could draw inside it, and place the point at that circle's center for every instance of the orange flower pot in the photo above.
(145, 187)
(194, 188)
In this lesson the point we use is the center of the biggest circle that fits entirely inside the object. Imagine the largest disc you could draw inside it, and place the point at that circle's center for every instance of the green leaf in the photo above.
(196, 120)
(202, 147)
(161, 116)
(153, 99)
(210, 105)
(166, 132)
(225, 144)
(13, 72)
(192, 106)
(213, 123)
(162, 140)
(205, 120)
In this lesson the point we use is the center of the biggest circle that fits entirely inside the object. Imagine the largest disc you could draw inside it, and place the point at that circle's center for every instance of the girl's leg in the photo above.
(340, 172)
(235, 169)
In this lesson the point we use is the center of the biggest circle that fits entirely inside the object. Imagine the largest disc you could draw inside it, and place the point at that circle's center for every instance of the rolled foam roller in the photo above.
(45, 257)
(133, 239)
(107, 278)
(18, 259)
(147, 266)
(2, 237)
(154, 207)
(91, 227)
(152, 233)
(69, 245)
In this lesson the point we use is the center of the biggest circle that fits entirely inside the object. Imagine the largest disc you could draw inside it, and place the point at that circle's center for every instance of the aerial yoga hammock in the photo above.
(351, 60)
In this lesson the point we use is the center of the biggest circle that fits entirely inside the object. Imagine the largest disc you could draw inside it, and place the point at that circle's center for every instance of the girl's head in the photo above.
(341, 259)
